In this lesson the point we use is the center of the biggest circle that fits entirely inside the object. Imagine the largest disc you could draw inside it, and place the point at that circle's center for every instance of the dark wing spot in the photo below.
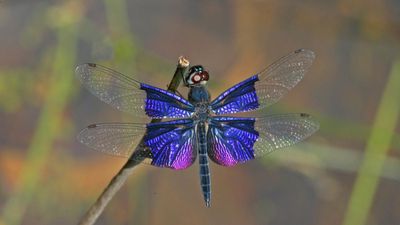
(305, 115)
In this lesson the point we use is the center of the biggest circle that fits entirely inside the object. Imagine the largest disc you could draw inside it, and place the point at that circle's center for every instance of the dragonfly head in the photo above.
(196, 76)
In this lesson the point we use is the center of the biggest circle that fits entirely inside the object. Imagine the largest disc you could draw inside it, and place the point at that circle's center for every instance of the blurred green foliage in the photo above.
(376, 150)
(47, 130)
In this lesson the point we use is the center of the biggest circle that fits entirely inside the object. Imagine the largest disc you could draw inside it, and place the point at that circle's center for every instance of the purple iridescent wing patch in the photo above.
(161, 103)
(266, 87)
(171, 143)
(231, 140)
(234, 140)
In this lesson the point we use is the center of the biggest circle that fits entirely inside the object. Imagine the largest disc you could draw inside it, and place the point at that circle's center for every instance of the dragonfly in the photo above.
(198, 125)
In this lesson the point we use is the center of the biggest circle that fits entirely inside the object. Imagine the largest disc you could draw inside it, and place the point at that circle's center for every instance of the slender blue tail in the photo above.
(205, 181)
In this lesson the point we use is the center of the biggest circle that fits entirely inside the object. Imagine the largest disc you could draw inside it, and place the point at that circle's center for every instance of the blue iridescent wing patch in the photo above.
(266, 87)
(240, 98)
(129, 95)
(234, 140)
(161, 103)
(172, 143)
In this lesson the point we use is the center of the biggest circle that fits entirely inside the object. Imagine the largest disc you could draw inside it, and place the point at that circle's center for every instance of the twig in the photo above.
(137, 157)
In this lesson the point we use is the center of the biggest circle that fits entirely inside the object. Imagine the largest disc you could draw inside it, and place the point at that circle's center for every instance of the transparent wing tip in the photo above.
(86, 137)
(86, 65)
(306, 52)
(311, 122)
(83, 70)
(83, 136)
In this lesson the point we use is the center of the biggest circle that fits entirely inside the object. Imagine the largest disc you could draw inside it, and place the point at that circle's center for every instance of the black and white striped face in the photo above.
(196, 75)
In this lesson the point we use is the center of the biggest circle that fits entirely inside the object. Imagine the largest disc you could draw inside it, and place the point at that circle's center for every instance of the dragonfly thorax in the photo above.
(202, 112)
(200, 98)
(199, 95)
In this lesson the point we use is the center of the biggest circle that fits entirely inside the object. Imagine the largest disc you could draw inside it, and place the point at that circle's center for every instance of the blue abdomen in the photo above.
(205, 182)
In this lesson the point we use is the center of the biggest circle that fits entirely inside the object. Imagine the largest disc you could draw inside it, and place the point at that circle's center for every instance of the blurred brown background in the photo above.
(348, 173)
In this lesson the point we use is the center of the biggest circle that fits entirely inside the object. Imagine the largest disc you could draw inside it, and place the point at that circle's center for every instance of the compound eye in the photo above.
(196, 78)
(205, 75)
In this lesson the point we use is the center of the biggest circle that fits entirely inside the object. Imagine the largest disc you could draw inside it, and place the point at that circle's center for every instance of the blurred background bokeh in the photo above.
(347, 173)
